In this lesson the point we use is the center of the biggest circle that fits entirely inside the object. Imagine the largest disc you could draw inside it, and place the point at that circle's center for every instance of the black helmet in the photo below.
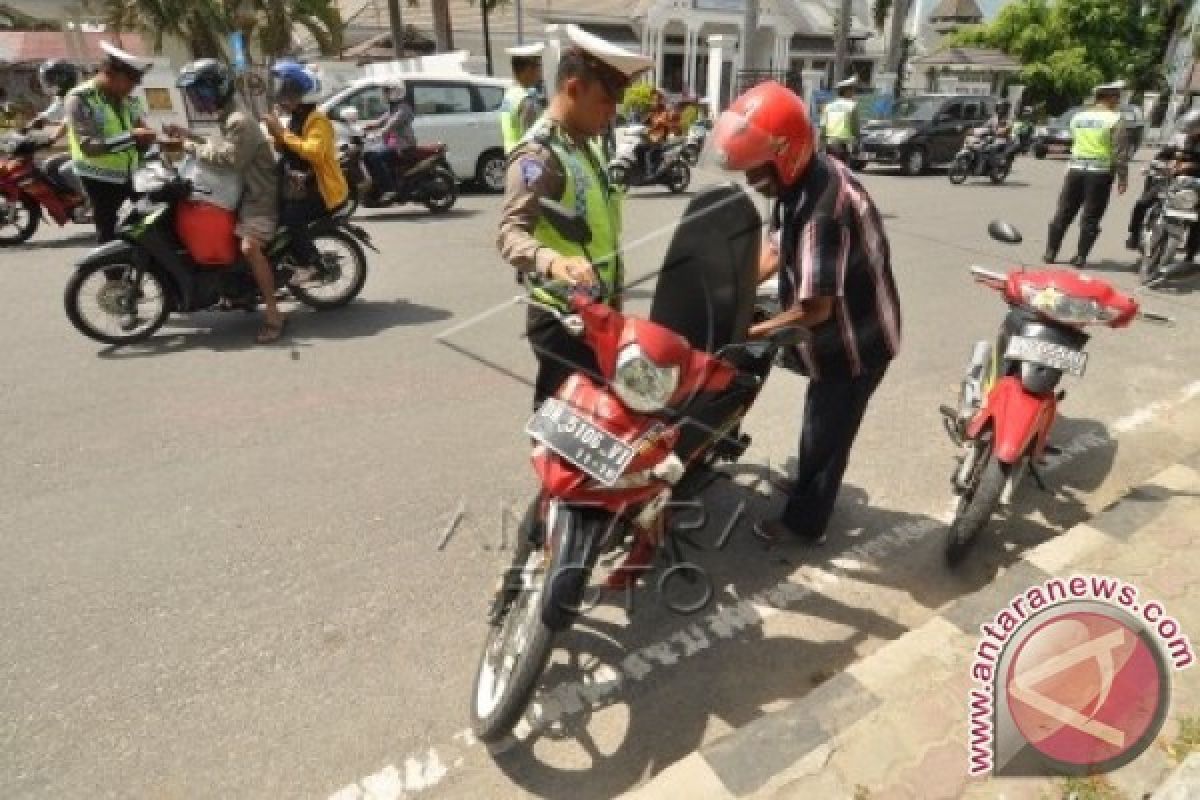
(58, 76)
(208, 84)
(1189, 123)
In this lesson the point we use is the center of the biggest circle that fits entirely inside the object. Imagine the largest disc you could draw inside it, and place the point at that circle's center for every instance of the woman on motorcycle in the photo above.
(314, 186)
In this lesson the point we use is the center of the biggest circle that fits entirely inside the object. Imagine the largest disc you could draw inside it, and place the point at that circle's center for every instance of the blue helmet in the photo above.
(295, 81)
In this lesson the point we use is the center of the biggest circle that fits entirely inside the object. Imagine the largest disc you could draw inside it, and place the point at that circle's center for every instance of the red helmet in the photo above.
(767, 124)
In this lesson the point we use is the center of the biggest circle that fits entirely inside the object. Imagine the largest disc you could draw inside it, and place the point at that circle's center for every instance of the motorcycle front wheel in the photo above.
(1157, 257)
(341, 270)
(999, 172)
(106, 302)
(18, 221)
(618, 177)
(959, 171)
(441, 191)
(679, 178)
(976, 505)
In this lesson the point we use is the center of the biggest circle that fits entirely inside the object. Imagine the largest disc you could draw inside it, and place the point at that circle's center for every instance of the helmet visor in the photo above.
(739, 144)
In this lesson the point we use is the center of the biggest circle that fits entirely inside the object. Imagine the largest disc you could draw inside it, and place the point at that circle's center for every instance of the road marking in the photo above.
(426, 769)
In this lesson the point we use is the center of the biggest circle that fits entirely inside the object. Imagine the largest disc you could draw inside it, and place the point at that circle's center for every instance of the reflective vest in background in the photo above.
(510, 115)
(586, 191)
(108, 167)
(839, 124)
(1092, 136)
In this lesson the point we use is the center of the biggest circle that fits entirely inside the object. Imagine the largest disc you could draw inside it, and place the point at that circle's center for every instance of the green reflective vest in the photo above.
(585, 190)
(1092, 136)
(108, 167)
(510, 115)
(839, 120)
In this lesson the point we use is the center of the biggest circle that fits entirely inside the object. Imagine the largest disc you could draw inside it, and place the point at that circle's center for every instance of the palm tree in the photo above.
(199, 23)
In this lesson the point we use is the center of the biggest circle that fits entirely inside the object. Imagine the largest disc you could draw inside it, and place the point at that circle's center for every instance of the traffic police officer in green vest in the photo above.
(561, 159)
(1099, 154)
(839, 121)
(523, 101)
(106, 131)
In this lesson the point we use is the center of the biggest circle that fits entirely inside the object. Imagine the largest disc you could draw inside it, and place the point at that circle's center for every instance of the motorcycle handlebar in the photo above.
(982, 273)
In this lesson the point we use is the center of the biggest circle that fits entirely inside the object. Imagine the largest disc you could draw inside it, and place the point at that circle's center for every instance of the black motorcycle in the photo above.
(1172, 221)
(177, 254)
(982, 153)
(421, 175)
(668, 165)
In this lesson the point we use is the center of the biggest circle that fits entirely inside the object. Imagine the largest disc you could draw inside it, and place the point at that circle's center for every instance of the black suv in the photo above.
(923, 130)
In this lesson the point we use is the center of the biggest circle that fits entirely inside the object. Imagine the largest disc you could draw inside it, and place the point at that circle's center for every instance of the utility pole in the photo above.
(520, 24)
(487, 37)
(842, 42)
(749, 28)
(397, 27)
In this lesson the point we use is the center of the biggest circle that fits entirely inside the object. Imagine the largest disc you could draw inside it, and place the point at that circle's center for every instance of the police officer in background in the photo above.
(839, 122)
(106, 129)
(1182, 157)
(523, 101)
(560, 158)
(1099, 153)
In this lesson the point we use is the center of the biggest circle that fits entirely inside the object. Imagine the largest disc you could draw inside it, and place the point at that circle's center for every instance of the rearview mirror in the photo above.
(1004, 232)
(569, 224)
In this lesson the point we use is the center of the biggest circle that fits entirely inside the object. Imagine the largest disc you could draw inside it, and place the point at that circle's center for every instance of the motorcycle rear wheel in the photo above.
(958, 171)
(340, 284)
(976, 506)
(1156, 259)
(21, 218)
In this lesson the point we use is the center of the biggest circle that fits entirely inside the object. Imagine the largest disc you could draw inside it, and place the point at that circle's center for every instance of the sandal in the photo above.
(271, 331)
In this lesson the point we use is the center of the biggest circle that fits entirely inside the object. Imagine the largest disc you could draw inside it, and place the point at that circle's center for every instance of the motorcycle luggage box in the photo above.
(707, 287)
(207, 232)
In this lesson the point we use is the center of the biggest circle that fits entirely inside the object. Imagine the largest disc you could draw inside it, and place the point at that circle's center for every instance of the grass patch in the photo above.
(1187, 741)
(1093, 787)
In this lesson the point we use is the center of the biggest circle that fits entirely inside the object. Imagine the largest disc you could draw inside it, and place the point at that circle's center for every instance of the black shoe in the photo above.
(1078, 261)
(1049, 256)
(774, 531)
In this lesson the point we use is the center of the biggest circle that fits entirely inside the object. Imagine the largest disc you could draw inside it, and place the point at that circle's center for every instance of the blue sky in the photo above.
(989, 7)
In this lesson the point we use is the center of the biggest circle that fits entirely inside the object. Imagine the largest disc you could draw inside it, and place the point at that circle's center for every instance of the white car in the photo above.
(460, 110)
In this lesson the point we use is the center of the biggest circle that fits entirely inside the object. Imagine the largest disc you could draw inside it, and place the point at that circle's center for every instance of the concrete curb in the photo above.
(796, 743)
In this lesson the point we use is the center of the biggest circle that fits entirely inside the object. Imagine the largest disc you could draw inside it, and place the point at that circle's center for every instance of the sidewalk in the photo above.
(894, 725)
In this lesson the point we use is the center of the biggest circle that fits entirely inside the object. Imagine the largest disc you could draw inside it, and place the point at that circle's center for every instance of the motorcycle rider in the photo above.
(999, 127)
(106, 130)
(840, 122)
(560, 159)
(1183, 154)
(523, 102)
(384, 156)
(240, 146)
(57, 77)
(660, 125)
(1099, 154)
(828, 246)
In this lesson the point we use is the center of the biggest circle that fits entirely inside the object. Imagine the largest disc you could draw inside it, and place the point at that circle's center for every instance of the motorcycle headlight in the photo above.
(642, 385)
(1064, 308)
(149, 179)
(1183, 199)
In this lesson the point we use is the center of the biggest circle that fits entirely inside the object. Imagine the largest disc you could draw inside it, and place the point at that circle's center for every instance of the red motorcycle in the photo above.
(1008, 400)
(613, 451)
(28, 191)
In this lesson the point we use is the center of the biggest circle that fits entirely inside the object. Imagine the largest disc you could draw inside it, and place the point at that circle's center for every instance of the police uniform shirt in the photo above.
(87, 122)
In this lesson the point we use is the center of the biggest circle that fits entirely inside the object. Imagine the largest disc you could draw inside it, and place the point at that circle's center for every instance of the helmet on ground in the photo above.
(58, 76)
(296, 82)
(208, 84)
(769, 124)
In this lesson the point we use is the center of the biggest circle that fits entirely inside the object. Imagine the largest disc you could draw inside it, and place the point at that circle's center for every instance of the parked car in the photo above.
(458, 110)
(1055, 136)
(923, 130)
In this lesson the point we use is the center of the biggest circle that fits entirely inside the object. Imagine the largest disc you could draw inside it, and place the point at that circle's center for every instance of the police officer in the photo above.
(106, 128)
(1099, 154)
(561, 159)
(1182, 156)
(839, 121)
(523, 101)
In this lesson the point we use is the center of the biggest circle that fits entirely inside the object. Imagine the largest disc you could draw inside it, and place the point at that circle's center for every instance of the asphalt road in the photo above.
(226, 570)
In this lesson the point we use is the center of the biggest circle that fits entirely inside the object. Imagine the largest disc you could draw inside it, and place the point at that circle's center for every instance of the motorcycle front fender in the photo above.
(1018, 419)
(113, 253)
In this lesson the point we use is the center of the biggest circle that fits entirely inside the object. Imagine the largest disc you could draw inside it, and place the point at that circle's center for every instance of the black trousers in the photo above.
(107, 199)
(1086, 189)
(558, 353)
(833, 411)
(1141, 207)
(296, 215)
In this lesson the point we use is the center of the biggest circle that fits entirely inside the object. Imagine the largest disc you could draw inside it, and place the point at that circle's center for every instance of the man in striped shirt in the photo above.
(829, 249)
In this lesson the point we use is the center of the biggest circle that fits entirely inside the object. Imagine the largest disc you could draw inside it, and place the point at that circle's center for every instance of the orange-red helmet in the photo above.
(767, 124)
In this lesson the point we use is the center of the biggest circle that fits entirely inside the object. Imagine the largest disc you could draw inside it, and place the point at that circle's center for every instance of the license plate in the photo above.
(1048, 354)
(1191, 216)
(596, 452)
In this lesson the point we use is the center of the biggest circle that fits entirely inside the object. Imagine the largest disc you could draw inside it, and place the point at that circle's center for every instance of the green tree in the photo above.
(1065, 48)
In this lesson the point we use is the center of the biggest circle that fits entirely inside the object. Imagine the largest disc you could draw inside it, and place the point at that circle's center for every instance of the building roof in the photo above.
(957, 9)
(970, 57)
(19, 47)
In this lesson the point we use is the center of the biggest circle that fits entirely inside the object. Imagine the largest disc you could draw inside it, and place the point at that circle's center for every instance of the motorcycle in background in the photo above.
(423, 176)
(1170, 222)
(611, 455)
(693, 144)
(627, 168)
(1008, 399)
(29, 191)
(982, 153)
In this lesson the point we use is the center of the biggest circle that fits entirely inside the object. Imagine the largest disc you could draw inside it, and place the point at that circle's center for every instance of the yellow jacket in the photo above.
(318, 146)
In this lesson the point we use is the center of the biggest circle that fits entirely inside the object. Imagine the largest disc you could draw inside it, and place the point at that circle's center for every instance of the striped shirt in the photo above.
(832, 244)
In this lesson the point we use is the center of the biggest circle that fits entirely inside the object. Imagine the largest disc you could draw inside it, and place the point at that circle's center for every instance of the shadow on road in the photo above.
(74, 240)
(235, 330)
(416, 214)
